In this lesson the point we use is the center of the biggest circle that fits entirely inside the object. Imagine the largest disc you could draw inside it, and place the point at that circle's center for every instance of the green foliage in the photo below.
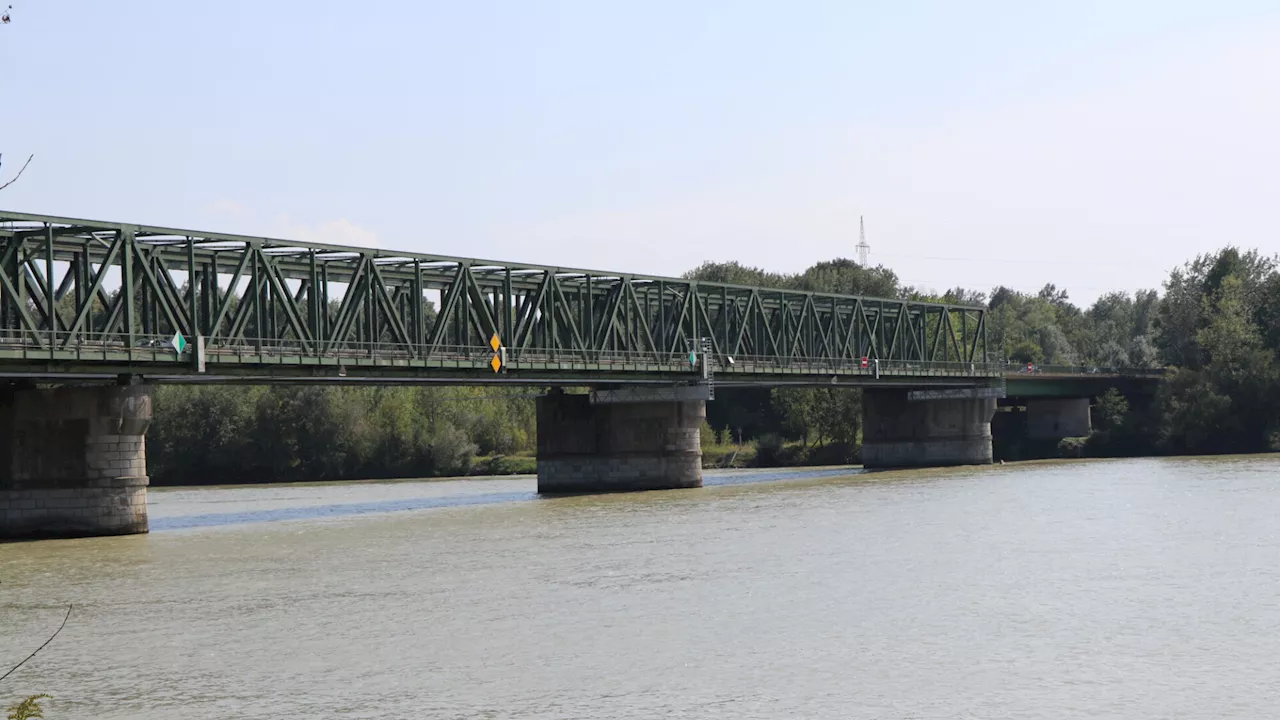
(728, 455)
(505, 465)
(820, 415)
(834, 276)
(846, 276)
(1072, 447)
(204, 435)
(1110, 412)
(1026, 351)
(706, 435)
(1229, 338)
(798, 408)
(28, 709)
(1191, 294)
(734, 273)
(1218, 321)
(769, 450)
(1193, 413)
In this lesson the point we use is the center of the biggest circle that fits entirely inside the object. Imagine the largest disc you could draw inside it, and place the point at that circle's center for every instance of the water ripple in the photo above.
(335, 510)
(161, 522)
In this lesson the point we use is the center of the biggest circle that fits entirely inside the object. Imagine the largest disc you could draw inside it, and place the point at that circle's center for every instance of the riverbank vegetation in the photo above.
(285, 433)
(1216, 325)
(28, 708)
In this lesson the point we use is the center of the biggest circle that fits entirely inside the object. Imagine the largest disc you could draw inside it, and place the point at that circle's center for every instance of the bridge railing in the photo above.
(1099, 369)
(668, 362)
(752, 364)
(159, 348)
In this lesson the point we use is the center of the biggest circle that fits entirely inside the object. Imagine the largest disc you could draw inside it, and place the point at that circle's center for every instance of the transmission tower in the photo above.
(864, 250)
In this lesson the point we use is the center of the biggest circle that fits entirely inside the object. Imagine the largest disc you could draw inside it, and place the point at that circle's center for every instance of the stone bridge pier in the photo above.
(73, 461)
(642, 443)
(898, 432)
(1058, 418)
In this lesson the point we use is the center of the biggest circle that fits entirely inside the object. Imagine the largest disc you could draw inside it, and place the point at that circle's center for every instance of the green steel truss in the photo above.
(77, 295)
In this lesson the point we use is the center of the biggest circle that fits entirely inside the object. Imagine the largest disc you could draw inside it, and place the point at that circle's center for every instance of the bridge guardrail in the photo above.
(1037, 369)
(159, 348)
(480, 355)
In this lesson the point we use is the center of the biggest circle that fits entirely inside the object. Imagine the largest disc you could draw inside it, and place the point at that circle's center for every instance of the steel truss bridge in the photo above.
(86, 299)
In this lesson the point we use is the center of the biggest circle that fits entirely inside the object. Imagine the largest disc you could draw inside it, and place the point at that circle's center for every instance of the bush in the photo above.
(769, 449)
(1072, 447)
(451, 451)
(706, 435)
(832, 454)
(506, 465)
(28, 709)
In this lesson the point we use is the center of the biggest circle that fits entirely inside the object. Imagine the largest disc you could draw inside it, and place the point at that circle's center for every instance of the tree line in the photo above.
(1216, 326)
(284, 433)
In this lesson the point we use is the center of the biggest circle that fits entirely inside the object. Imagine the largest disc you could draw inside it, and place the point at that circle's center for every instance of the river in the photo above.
(1099, 589)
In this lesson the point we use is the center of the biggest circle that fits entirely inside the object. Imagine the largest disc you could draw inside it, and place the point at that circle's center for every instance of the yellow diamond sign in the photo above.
(495, 363)
(495, 343)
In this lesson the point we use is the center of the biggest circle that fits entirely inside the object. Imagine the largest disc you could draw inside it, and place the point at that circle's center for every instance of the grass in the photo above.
(504, 465)
(716, 455)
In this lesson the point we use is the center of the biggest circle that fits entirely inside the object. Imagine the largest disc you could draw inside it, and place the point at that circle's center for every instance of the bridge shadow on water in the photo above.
(161, 523)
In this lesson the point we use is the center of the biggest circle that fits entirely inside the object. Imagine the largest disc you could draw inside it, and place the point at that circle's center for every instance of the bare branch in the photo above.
(55, 632)
(14, 180)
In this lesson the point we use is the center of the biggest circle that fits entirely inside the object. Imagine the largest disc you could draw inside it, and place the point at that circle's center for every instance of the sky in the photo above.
(1093, 145)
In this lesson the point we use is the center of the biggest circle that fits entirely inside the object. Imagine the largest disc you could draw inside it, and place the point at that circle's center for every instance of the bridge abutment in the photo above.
(1058, 418)
(73, 461)
(898, 432)
(618, 447)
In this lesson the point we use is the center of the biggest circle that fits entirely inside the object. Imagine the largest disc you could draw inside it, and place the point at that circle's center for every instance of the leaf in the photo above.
(28, 709)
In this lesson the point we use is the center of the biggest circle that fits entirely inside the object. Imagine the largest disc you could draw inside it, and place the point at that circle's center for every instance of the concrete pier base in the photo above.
(73, 462)
(898, 432)
(618, 447)
(1058, 418)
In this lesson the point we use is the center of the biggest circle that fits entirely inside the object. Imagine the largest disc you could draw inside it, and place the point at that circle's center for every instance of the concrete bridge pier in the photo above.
(73, 461)
(618, 444)
(1058, 418)
(898, 432)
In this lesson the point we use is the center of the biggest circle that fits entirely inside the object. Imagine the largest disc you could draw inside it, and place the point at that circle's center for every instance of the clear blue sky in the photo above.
(1090, 144)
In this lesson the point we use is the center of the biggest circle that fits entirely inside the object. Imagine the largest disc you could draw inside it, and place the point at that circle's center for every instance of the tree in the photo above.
(849, 278)
(1192, 414)
(833, 276)
(1268, 312)
(1225, 399)
(1229, 340)
(1051, 294)
(963, 296)
(1110, 412)
(839, 414)
(1057, 348)
(1002, 296)
(1143, 353)
(1182, 313)
(799, 410)
(734, 273)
